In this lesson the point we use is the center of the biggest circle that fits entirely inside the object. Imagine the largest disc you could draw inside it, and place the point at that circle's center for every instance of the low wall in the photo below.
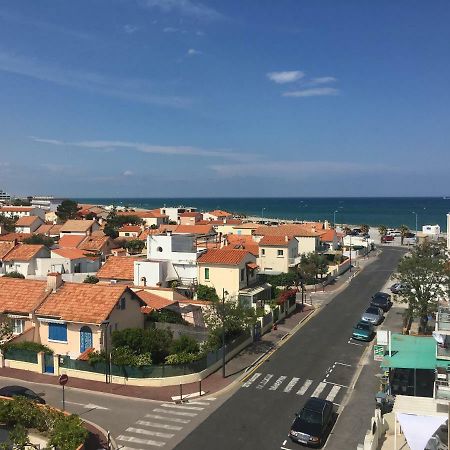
(23, 365)
(376, 432)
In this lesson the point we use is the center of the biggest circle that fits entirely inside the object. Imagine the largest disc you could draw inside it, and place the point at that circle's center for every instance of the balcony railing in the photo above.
(443, 319)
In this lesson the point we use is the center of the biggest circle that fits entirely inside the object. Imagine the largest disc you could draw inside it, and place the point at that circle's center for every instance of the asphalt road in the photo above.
(320, 360)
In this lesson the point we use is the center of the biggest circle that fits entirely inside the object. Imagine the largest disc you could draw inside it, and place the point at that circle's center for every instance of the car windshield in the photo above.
(29, 393)
(372, 311)
(380, 299)
(309, 416)
(363, 326)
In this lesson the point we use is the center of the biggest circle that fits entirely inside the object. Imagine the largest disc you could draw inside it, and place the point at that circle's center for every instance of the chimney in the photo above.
(286, 238)
(54, 281)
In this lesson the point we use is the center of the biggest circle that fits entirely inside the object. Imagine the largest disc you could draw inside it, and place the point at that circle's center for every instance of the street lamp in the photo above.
(413, 212)
(350, 269)
(262, 213)
(105, 323)
(224, 292)
(334, 218)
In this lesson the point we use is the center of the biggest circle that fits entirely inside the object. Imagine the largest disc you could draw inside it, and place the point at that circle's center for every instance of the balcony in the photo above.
(294, 261)
(443, 320)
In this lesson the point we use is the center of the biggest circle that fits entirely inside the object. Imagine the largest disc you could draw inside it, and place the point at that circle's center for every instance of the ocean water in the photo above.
(390, 211)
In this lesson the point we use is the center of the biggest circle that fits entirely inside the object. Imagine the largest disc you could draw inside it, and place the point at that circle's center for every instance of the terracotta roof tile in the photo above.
(5, 248)
(277, 241)
(16, 209)
(95, 243)
(20, 296)
(190, 214)
(238, 241)
(154, 301)
(84, 303)
(71, 241)
(224, 256)
(220, 213)
(249, 225)
(19, 237)
(118, 268)
(130, 228)
(26, 221)
(44, 229)
(23, 252)
(194, 229)
(328, 235)
(69, 253)
(77, 225)
(286, 230)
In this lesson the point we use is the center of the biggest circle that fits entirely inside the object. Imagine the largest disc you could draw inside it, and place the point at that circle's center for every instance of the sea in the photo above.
(373, 211)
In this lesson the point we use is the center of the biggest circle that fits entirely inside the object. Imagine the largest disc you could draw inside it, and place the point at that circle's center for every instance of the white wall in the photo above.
(154, 272)
(177, 248)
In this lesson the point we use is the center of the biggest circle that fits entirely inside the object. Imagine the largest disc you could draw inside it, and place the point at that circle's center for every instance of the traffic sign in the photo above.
(63, 379)
(378, 352)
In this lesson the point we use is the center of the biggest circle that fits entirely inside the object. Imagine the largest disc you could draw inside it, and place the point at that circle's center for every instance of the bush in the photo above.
(182, 358)
(14, 274)
(91, 279)
(166, 316)
(40, 239)
(28, 345)
(67, 433)
(184, 344)
(206, 293)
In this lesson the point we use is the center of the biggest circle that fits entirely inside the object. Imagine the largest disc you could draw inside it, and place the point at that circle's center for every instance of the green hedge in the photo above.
(30, 346)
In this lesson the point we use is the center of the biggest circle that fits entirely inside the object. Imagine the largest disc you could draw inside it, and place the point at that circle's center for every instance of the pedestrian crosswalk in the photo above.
(160, 426)
(323, 389)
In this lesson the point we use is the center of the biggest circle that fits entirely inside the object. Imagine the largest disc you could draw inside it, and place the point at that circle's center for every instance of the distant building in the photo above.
(21, 211)
(434, 230)
(448, 231)
(4, 197)
(46, 203)
(175, 212)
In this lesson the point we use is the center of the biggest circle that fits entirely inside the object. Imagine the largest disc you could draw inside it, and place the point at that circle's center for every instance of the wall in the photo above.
(175, 248)
(271, 261)
(306, 244)
(220, 277)
(375, 434)
(130, 317)
(153, 271)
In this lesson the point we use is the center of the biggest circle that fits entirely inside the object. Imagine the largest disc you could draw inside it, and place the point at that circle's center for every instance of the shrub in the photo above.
(182, 358)
(14, 274)
(166, 316)
(28, 345)
(184, 344)
(67, 433)
(91, 279)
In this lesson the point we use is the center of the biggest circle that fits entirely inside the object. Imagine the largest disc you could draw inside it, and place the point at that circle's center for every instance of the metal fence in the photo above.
(19, 354)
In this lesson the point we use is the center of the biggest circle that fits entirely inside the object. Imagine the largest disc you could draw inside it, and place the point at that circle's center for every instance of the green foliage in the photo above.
(206, 293)
(8, 223)
(67, 433)
(166, 316)
(67, 210)
(184, 344)
(90, 216)
(19, 436)
(182, 358)
(135, 246)
(364, 228)
(110, 231)
(28, 345)
(39, 239)
(122, 356)
(115, 221)
(14, 274)
(91, 279)
(6, 332)
(382, 229)
(283, 279)
(21, 202)
(404, 230)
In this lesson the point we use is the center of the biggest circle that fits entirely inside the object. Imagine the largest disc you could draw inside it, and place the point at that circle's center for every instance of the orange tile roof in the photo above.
(77, 225)
(220, 222)
(16, 209)
(69, 253)
(70, 241)
(44, 229)
(23, 252)
(142, 214)
(277, 241)
(239, 241)
(249, 225)
(154, 301)
(194, 229)
(118, 268)
(145, 233)
(26, 221)
(130, 228)
(20, 296)
(19, 237)
(328, 235)
(288, 229)
(224, 256)
(252, 265)
(95, 243)
(220, 213)
(190, 214)
(83, 303)
(5, 248)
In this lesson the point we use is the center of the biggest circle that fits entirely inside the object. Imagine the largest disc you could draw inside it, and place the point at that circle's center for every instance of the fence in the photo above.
(19, 354)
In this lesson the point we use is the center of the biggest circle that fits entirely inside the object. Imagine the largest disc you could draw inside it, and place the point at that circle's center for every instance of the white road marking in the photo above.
(88, 406)
(264, 381)
(335, 384)
(343, 364)
(305, 387)
(291, 384)
(175, 413)
(150, 433)
(164, 426)
(129, 448)
(198, 403)
(354, 343)
(140, 441)
(251, 380)
(192, 408)
(285, 441)
(211, 398)
(332, 394)
(320, 387)
(167, 419)
(277, 383)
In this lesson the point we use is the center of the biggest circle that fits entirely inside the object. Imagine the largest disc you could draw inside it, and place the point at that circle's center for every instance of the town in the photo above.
(190, 308)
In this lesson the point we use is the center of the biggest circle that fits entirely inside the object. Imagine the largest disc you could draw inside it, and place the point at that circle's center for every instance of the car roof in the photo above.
(371, 308)
(13, 388)
(316, 404)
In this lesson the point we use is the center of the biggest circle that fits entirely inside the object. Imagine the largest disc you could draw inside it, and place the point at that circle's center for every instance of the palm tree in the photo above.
(382, 229)
(404, 230)
(347, 230)
(364, 228)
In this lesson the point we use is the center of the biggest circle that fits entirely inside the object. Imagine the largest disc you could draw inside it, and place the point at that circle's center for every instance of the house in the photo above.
(233, 273)
(69, 260)
(118, 269)
(217, 214)
(79, 227)
(50, 230)
(173, 213)
(28, 224)
(190, 218)
(21, 211)
(71, 240)
(150, 218)
(48, 204)
(329, 239)
(76, 316)
(101, 246)
(23, 259)
(277, 254)
(244, 242)
(222, 226)
(5, 248)
(132, 231)
(247, 228)
(14, 237)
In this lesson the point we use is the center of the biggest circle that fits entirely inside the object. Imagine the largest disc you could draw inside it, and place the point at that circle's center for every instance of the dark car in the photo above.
(20, 391)
(398, 288)
(313, 422)
(381, 302)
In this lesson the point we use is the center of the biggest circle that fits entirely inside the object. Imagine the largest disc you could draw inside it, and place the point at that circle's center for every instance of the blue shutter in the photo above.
(57, 332)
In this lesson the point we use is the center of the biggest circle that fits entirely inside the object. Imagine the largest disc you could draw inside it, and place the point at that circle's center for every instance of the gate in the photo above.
(48, 363)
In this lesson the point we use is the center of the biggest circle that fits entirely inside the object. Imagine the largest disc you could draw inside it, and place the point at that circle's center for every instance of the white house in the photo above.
(23, 259)
(174, 212)
(21, 211)
(79, 227)
(28, 224)
(46, 203)
(431, 230)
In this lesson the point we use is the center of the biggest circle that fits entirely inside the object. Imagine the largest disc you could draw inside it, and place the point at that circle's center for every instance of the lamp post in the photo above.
(334, 218)
(262, 213)
(413, 212)
(223, 331)
(350, 269)
(105, 323)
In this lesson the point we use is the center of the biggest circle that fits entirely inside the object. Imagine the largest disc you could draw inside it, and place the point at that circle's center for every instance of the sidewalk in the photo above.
(234, 369)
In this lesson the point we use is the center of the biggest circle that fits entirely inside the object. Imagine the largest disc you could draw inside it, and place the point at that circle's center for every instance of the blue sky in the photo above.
(160, 98)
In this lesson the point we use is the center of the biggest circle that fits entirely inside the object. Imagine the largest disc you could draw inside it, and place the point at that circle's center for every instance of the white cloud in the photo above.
(135, 90)
(130, 29)
(285, 77)
(193, 52)
(313, 92)
(322, 80)
(184, 7)
(128, 173)
(170, 30)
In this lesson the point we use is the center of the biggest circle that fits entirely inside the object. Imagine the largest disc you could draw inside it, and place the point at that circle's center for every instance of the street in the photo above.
(320, 360)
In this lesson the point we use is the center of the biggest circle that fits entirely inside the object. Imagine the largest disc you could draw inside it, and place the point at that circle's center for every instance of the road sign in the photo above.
(382, 337)
(63, 379)
(378, 352)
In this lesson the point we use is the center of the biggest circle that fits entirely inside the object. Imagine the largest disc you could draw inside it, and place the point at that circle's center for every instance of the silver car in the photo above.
(373, 315)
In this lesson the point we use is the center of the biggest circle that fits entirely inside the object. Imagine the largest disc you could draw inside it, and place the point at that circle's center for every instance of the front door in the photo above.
(85, 339)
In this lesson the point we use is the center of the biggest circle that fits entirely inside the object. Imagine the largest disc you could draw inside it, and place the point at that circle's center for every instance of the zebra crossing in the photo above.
(159, 426)
(323, 389)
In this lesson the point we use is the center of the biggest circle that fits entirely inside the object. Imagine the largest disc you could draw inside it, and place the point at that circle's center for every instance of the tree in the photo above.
(425, 273)
(347, 230)
(206, 293)
(364, 228)
(404, 230)
(184, 344)
(14, 274)
(8, 223)
(382, 229)
(67, 210)
(115, 221)
(91, 279)
(135, 246)
(40, 239)
(6, 332)
(90, 216)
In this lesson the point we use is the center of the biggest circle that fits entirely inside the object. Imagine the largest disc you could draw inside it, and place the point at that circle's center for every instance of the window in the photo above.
(57, 332)
(127, 234)
(263, 251)
(280, 252)
(18, 326)
(242, 274)
(159, 249)
(121, 303)
(206, 273)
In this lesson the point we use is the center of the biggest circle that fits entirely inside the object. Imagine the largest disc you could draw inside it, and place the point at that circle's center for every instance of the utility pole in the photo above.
(223, 332)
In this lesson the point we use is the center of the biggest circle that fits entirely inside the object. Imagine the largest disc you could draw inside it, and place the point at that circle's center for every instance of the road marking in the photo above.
(341, 385)
(140, 441)
(277, 383)
(354, 343)
(158, 425)
(264, 381)
(198, 403)
(211, 398)
(150, 433)
(192, 408)
(343, 364)
(285, 441)
(88, 406)
(175, 413)
(124, 447)
(305, 387)
(167, 419)
(334, 391)
(291, 384)
(251, 380)
(320, 387)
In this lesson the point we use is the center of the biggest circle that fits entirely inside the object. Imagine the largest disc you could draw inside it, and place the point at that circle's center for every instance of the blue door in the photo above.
(85, 339)
(48, 363)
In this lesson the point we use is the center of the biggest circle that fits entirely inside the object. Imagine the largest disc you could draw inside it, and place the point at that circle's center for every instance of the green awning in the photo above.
(412, 352)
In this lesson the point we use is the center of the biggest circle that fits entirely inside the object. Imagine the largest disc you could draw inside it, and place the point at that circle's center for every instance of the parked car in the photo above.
(313, 422)
(393, 233)
(387, 238)
(381, 301)
(398, 288)
(363, 331)
(20, 391)
(373, 315)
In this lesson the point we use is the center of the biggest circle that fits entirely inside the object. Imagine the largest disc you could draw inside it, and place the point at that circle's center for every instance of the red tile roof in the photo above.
(49, 229)
(16, 209)
(69, 253)
(328, 235)
(190, 214)
(275, 241)
(130, 228)
(71, 241)
(154, 301)
(118, 268)
(95, 243)
(286, 230)
(77, 226)
(20, 296)
(19, 237)
(26, 221)
(5, 248)
(224, 256)
(220, 222)
(244, 242)
(142, 214)
(248, 225)
(194, 229)
(23, 252)
(220, 213)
